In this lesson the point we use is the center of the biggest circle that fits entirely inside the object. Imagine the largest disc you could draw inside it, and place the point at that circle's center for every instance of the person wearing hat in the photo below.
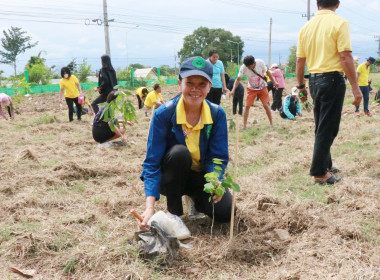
(362, 73)
(6, 103)
(291, 107)
(185, 135)
(324, 42)
(277, 92)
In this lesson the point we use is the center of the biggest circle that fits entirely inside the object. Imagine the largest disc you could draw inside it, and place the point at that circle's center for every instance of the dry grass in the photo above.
(64, 202)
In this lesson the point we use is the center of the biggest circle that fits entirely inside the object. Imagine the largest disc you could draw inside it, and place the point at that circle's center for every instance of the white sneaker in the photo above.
(171, 224)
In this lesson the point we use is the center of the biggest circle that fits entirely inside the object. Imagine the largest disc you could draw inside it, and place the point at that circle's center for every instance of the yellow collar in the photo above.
(205, 114)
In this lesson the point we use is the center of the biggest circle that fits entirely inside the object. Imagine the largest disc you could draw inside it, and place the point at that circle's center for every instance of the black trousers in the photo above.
(178, 180)
(100, 99)
(214, 95)
(328, 92)
(277, 99)
(141, 103)
(70, 104)
(238, 99)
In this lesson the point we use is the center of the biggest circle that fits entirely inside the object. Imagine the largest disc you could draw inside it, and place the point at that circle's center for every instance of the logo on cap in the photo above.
(199, 63)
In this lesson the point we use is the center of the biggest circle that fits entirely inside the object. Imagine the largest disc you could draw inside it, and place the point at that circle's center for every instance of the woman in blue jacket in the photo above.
(185, 135)
(291, 107)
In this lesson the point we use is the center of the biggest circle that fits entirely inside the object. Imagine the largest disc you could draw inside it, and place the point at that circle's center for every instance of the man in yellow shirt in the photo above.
(324, 42)
(154, 98)
(363, 77)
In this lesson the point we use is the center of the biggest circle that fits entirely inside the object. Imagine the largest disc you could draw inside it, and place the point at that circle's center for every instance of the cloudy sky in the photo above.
(151, 32)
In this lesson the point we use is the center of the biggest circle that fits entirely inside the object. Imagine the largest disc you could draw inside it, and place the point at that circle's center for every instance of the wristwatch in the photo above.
(300, 86)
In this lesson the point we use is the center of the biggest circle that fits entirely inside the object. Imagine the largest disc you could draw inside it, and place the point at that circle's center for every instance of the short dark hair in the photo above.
(327, 3)
(111, 96)
(211, 52)
(144, 90)
(65, 70)
(156, 86)
(249, 60)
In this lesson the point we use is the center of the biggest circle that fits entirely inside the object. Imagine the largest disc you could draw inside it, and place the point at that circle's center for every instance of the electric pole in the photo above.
(106, 32)
(308, 11)
(270, 43)
(378, 39)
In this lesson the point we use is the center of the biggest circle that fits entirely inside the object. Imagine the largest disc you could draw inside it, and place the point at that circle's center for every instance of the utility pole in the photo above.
(308, 11)
(378, 39)
(270, 43)
(106, 32)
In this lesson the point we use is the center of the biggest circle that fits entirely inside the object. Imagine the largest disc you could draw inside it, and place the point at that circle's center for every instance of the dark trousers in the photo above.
(178, 180)
(100, 99)
(70, 104)
(277, 99)
(238, 99)
(328, 92)
(365, 92)
(214, 95)
(141, 103)
(9, 111)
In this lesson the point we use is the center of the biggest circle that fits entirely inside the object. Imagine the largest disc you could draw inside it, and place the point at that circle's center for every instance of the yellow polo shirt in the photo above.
(152, 98)
(322, 39)
(191, 133)
(70, 86)
(364, 74)
(139, 92)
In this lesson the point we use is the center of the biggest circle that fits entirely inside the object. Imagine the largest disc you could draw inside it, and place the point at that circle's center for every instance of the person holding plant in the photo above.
(70, 89)
(291, 107)
(101, 130)
(6, 103)
(185, 135)
(141, 94)
(106, 82)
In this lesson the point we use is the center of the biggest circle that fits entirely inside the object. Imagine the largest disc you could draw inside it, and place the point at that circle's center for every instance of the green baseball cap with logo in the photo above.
(196, 66)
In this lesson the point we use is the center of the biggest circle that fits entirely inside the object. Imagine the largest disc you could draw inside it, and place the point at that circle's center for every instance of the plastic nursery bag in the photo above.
(157, 245)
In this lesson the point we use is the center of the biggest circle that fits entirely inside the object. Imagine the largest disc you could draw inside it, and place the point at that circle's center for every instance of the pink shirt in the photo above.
(279, 76)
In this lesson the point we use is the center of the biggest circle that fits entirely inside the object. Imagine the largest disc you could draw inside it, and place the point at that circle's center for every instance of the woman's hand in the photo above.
(148, 213)
(130, 123)
(217, 198)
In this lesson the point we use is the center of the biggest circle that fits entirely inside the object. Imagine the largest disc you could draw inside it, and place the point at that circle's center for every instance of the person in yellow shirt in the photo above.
(154, 98)
(362, 73)
(141, 93)
(324, 42)
(70, 89)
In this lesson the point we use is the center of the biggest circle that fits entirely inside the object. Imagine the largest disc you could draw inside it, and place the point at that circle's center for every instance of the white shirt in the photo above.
(254, 81)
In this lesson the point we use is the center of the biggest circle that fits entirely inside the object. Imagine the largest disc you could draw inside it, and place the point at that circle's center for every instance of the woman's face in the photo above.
(66, 75)
(214, 58)
(194, 89)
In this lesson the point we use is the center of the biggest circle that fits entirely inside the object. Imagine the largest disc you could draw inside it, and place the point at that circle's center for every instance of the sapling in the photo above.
(120, 105)
(216, 187)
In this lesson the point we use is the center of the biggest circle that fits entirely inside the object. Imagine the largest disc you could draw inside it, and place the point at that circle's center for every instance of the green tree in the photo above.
(38, 73)
(203, 40)
(166, 70)
(292, 59)
(36, 60)
(137, 66)
(73, 65)
(15, 42)
(123, 74)
(84, 72)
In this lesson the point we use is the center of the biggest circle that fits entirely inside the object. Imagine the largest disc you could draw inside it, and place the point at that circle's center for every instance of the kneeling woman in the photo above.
(185, 135)
(101, 130)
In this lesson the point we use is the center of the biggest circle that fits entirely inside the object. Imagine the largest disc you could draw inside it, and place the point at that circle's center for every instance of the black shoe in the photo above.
(331, 181)
(334, 170)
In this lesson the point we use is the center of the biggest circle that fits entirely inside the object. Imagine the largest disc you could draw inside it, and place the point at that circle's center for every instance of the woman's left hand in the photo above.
(217, 198)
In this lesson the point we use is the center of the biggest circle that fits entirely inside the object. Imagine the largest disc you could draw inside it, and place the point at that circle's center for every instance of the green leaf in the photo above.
(219, 191)
(235, 187)
(208, 188)
(217, 161)
(217, 167)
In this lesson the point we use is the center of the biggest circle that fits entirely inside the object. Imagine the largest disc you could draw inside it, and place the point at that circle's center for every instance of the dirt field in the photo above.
(64, 201)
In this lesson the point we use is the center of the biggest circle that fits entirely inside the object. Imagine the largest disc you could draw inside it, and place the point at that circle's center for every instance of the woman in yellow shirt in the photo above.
(69, 84)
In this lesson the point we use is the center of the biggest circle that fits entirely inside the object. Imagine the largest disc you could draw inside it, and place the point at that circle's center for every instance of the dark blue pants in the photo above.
(328, 92)
(238, 100)
(215, 95)
(102, 98)
(178, 180)
(365, 92)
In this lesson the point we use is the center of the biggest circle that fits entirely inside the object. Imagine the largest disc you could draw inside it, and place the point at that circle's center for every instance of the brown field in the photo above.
(64, 201)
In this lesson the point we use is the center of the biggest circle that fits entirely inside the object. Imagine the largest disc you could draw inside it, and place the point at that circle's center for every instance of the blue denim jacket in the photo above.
(164, 133)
